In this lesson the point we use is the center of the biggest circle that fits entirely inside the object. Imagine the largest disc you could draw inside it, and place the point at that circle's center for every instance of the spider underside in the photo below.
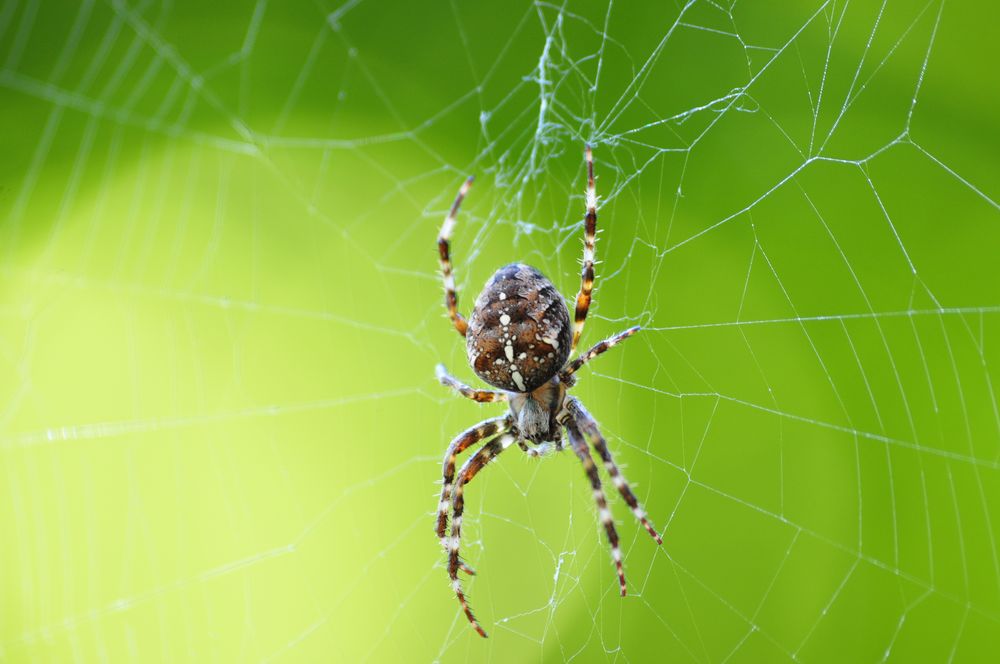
(519, 340)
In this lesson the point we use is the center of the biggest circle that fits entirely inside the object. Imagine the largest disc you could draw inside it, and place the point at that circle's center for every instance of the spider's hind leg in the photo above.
(584, 297)
(444, 255)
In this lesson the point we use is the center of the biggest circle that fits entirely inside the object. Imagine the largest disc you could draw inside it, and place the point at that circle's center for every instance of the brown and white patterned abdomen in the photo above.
(519, 334)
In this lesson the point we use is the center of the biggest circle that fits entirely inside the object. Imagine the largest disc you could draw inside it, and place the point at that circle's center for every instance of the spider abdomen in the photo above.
(519, 333)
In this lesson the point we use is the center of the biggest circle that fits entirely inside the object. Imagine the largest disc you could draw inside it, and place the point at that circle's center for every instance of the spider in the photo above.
(519, 340)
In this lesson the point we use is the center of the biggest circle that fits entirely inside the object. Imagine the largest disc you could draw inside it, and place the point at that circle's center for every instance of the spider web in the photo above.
(220, 430)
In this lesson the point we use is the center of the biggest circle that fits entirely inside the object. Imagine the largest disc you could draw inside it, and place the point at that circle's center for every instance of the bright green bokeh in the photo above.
(220, 317)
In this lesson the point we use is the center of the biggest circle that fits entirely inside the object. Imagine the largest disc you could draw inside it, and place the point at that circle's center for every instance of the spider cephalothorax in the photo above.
(519, 340)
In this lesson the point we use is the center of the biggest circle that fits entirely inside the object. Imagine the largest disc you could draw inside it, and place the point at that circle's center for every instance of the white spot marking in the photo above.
(518, 380)
(503, 296)
(522, 356)
(552, 342)
(616, 554)
(505, 319)
(509, 351)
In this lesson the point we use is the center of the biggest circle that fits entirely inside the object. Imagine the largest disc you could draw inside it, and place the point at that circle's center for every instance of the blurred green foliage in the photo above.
(220, 431)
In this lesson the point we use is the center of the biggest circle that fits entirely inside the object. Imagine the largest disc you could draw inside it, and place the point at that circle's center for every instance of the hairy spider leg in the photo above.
(450, 297)
(475, 463)
(482, 396)
(464, 440)
(580, 447)
(588, 424)
(598, 348)
(589, 239)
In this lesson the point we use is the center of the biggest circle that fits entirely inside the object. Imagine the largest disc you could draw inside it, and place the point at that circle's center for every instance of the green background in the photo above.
(220, 433)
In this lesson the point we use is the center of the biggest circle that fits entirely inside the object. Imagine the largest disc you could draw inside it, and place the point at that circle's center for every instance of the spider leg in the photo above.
(450, 297)
(580, 447)
(482, 396)
(589, 238)
(463, 441)
(475, 463)
(589, 426)
(598, 348)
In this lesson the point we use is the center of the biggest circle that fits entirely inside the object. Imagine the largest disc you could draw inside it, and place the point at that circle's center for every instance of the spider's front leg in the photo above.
(580, 447)
(588, 424)
(476, 463)
(464, 440)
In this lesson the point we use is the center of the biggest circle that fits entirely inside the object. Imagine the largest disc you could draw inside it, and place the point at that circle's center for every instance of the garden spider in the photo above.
(519, 340)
